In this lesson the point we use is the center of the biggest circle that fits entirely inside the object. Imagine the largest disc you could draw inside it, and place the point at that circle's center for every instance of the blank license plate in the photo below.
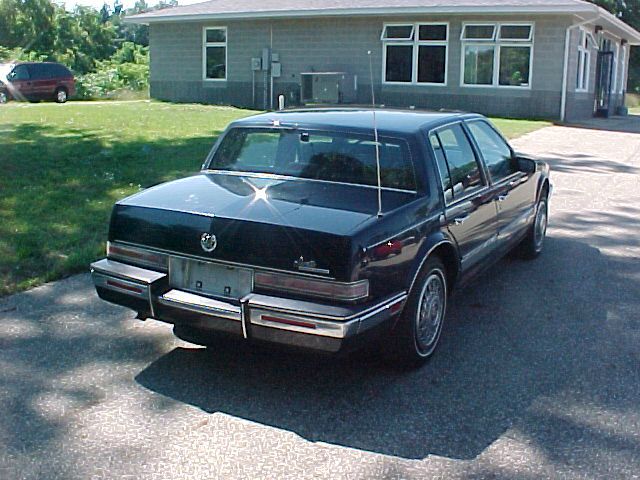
(208, 278)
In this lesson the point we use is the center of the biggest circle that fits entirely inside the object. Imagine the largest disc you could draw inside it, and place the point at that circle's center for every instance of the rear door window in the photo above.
(464, 171)
(495, 151)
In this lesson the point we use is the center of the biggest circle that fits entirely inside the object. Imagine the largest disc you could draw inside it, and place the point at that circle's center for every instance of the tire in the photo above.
(4, 98)
(417, 333)
(532, 245)
(61, 95)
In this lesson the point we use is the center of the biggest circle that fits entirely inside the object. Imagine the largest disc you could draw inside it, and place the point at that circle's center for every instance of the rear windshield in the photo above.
(319, 155)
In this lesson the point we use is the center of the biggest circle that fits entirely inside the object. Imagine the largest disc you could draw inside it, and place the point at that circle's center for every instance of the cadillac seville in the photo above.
(324, 229)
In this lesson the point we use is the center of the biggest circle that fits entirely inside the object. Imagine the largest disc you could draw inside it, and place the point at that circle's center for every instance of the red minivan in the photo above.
(36, 81)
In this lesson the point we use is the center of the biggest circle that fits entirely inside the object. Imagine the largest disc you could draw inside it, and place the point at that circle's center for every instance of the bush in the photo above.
(125, 74)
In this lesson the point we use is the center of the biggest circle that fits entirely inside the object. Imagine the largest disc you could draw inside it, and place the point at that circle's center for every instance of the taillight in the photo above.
(141, 256)
(312, 286)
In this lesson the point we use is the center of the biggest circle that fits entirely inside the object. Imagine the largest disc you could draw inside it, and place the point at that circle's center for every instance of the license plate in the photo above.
(208, 278)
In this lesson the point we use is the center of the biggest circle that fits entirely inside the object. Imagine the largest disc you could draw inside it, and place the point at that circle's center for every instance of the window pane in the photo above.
(514, 66)
(399, 63)
(463, 166)
(496, 153)
(445, 178)
(216, 35)
(515, 32)
(432, 32)
(20, 73)
(330, 156)
(579, 70)
(431, 63)
(585, 71)
(478, 65)
(399, 32)
(479, 32)
(216, 60)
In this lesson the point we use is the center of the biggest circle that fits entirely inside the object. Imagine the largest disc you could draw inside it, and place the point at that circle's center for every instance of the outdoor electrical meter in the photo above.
(256, 64)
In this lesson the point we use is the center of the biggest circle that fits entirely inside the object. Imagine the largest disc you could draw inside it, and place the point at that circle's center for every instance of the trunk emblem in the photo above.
(208, 242)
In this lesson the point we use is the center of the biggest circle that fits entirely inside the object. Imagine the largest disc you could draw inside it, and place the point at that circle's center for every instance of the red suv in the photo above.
(36, 81)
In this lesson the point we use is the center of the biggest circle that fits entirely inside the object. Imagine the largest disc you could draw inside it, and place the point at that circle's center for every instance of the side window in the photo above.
(461, 160)
(495, 151)
(20, 72)
(443, 168)
(37, 72)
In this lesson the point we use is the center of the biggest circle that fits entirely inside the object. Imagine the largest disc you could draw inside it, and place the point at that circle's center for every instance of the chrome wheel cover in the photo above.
(540, 226)
(3, 97)
(430, 312)
(61, 96)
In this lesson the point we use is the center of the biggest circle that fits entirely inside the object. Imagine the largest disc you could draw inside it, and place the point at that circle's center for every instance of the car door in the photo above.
(42, 83)
(470, 210)
(21, 86)
(515, 196)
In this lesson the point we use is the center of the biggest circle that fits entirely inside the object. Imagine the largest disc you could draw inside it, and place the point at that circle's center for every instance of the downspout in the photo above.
(565, 67)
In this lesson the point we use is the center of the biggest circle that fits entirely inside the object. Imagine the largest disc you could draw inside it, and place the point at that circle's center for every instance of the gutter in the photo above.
(565, 66)
(154, 17)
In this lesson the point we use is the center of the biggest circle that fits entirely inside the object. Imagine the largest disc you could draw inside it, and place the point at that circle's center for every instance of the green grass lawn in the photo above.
(63, 167)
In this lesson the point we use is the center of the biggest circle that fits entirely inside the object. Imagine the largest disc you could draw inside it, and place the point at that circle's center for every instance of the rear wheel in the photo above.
(61, 95)
(418, 330)
(4, 98)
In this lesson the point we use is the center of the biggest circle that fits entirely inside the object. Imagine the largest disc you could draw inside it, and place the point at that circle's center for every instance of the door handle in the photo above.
(502, 197)
(515, 183)
(460, 220)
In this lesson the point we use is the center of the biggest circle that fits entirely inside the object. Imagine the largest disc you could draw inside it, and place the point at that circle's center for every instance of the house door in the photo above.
(604, 80)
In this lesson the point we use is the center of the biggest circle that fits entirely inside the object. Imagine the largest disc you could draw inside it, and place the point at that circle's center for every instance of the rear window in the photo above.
(319, 155)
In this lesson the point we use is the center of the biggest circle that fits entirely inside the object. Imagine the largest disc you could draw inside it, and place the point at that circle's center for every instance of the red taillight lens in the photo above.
(311, 286)
(118, 251)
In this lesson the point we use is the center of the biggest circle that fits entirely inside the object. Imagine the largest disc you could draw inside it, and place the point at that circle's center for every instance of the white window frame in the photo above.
(584, 56)
(415, 43)
(497, 43)
(616, 58)
(206, 44)
(623, 69)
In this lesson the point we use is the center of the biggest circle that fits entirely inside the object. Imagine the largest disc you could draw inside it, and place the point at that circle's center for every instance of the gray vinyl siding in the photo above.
(341, 44)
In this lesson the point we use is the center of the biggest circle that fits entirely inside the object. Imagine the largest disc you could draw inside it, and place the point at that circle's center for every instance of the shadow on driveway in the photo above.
(520, 337)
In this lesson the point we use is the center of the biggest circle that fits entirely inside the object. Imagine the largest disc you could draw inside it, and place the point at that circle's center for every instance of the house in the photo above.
(557, 59)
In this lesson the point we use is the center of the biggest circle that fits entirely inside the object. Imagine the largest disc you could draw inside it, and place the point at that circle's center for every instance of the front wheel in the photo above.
(416, 335)
(4, 98)
(533, 243)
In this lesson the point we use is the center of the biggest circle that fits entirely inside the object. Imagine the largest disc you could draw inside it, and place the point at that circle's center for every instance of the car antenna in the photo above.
(375, 136)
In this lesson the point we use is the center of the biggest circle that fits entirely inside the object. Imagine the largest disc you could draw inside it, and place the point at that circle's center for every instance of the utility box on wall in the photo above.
(328, 87)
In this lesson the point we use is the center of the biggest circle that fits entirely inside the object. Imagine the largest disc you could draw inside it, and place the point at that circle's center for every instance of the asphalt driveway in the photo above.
(538, 373)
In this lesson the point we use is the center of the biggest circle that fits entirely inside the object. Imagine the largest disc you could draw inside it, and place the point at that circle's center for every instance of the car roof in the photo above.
(356, 118)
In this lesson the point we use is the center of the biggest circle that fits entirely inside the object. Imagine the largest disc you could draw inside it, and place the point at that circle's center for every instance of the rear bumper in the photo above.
(308, 325)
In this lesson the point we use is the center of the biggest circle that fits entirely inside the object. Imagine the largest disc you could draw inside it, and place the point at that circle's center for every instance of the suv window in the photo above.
(463, 167)
(320, 155)
(495, 151)
(39, 71)
(59, 71)
(20, 72)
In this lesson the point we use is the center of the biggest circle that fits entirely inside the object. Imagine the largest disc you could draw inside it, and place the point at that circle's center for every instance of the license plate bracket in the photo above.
(210, 278)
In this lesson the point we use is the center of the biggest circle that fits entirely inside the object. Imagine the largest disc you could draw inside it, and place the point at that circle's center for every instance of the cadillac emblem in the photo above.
(208, 242)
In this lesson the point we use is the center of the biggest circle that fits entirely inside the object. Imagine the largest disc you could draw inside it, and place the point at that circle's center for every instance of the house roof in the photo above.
(254, 9)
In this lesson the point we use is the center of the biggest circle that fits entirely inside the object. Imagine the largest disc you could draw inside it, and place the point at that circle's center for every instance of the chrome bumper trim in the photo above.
(128, 272)
(293, 316)
(200, 304)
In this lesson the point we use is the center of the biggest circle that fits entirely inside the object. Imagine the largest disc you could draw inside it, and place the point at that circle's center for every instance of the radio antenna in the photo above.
(375, 135)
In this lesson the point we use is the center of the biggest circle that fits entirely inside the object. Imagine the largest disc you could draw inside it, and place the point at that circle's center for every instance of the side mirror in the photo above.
(525, 164)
